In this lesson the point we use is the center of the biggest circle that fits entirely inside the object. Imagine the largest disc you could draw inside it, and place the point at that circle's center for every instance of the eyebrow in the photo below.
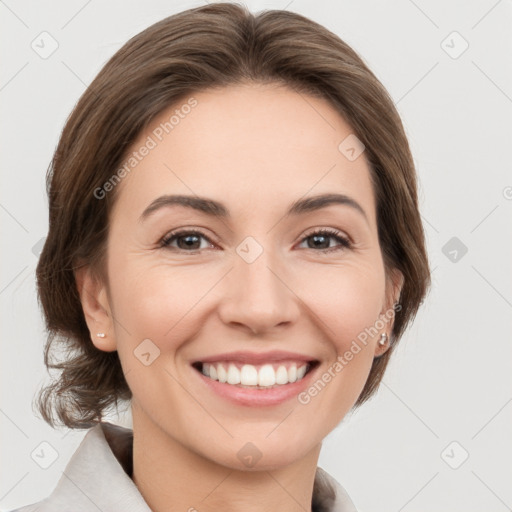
(219, 210)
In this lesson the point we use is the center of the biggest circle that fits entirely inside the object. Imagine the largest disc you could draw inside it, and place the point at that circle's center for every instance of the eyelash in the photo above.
(345, 243)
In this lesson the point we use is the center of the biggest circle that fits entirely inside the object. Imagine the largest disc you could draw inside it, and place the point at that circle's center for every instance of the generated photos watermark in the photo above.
(343, 360)
(151, 142)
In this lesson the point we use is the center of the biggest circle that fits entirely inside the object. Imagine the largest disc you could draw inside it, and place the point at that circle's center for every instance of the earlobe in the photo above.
(394, 286)
(383, 345)
(96, 308)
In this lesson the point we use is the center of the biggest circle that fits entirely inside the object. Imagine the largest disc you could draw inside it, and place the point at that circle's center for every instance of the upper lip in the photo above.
(256, 357)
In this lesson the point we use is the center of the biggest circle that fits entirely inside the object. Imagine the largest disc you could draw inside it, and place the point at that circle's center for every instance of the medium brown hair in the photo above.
(213, 46)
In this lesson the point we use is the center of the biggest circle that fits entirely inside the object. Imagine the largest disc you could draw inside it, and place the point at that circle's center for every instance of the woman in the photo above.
(235, 247)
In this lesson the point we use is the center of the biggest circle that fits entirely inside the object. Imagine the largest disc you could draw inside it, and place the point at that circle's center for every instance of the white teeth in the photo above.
(221, 373)
(281, 375)
(249, 375)
(265, 376)
(233, 374)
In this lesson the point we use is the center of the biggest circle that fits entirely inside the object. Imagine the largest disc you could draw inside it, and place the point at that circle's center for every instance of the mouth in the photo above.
(267, 375)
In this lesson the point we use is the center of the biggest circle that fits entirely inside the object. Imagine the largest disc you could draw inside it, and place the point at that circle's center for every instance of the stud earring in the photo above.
(101, 335)
(383, 339)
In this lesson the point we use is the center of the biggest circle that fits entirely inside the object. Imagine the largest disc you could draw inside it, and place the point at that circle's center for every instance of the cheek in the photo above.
(346, 299)
(157, 300)
(348, 308)
(159, 303)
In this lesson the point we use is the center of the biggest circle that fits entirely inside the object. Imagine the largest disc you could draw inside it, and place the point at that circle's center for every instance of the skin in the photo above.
(257, 149)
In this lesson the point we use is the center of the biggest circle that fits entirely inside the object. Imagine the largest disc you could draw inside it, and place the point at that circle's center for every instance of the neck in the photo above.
(173, 478)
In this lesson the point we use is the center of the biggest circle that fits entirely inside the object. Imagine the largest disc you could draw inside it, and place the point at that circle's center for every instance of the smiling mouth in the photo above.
(261, 376)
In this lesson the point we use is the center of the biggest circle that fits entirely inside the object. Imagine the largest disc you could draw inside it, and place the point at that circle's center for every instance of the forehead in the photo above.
(246, 145)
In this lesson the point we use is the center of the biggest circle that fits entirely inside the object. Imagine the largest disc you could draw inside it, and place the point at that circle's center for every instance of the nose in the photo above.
(258, 296)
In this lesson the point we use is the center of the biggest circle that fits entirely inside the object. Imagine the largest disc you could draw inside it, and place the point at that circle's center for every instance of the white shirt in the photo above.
(98, 479)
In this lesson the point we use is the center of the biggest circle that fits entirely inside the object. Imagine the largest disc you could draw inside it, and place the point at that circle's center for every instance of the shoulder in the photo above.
(39, 506)
(329, 495)
(97, 477)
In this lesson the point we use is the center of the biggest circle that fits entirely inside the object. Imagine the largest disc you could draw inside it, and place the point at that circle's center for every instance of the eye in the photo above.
(187, 240)
(321, 238)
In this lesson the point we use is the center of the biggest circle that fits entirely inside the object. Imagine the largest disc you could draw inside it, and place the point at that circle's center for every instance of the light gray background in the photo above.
(451, 378)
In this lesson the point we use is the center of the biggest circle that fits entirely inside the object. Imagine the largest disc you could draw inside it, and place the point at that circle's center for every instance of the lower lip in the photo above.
(257, 397)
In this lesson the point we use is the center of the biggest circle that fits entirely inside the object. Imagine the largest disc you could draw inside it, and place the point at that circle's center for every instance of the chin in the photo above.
(260, 454)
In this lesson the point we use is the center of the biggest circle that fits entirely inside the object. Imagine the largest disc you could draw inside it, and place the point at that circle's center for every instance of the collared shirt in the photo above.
(98, 477)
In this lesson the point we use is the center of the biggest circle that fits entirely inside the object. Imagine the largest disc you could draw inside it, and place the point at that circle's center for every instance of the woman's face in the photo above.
(253, 284)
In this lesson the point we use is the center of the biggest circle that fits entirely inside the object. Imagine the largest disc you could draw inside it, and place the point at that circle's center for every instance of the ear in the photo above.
(394, 284)
(95, 304)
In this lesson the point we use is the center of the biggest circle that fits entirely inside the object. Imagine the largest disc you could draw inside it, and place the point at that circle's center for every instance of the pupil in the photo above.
(319, 237)
(190, 240)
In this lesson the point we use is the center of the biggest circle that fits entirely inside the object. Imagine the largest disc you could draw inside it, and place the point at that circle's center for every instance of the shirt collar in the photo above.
(98, 478)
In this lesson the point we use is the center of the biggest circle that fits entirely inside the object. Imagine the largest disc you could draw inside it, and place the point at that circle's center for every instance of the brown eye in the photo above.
(190, 240)
(187, 240)
(321, 240)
